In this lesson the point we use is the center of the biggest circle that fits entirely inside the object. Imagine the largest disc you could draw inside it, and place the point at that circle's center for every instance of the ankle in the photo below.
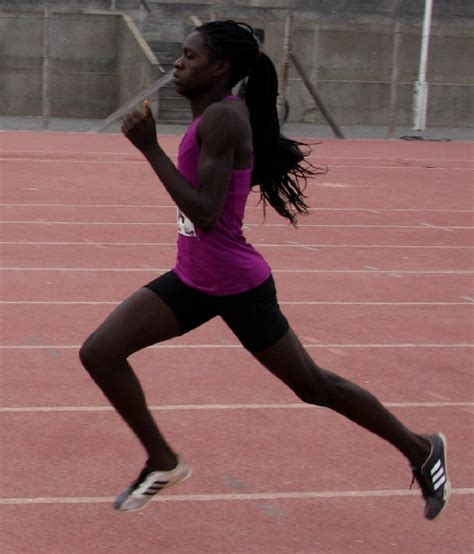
(421, 452)
(162, 462)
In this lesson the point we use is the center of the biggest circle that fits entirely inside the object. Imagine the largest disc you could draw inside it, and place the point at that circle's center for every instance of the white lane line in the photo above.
(348, 303)
(236, 345)
(153, 206)
(431, 225)
(88, 161)
(380, 270)
(288, 244)
(94, 153)
(468, 302)
(294, 270)
(100, 159)
(247, 225)
(228, 496)
(205, 407)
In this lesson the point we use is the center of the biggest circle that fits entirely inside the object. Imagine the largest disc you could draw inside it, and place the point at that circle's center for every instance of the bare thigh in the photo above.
(139, 321)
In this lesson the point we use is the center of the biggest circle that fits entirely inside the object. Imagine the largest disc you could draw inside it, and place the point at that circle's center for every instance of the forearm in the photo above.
(189, 199)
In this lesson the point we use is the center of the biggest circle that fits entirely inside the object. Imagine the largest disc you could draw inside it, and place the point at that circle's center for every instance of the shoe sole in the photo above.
(148, 500)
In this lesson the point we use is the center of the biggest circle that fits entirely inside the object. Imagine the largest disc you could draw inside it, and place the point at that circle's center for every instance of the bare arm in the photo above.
(218, 141)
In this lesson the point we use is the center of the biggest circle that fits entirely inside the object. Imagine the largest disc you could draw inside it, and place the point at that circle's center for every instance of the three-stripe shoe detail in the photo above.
(156, 487)
(438, 475)
(432, 477)
(149, 483)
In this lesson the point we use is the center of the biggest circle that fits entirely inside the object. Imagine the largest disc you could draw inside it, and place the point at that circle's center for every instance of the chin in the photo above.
(181, 90)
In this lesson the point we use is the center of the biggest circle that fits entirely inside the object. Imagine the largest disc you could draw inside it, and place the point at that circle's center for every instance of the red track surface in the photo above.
(377, 281)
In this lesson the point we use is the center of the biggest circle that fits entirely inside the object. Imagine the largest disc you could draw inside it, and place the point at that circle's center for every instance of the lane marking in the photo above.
(380, 270)
(431, 225)
(99, 159)
(224, 346)
(94, 154)
(228, 496)
(173, 206)
(259, 225)
(294, 270)
(288, 244)
(225, 407)
(468, 302)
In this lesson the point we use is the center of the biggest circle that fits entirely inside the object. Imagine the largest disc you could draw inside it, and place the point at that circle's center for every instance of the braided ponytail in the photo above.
(280, 168)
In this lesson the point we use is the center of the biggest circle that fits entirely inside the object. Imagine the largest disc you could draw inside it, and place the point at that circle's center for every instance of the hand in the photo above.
(140, 129)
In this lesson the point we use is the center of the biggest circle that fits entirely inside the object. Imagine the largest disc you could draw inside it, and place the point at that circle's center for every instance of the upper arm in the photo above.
(219, 133)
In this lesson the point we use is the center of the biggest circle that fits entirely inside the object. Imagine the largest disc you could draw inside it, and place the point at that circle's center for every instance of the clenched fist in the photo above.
(140, 129)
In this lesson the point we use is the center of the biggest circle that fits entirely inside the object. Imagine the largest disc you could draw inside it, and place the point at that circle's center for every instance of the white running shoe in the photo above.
(149, 483)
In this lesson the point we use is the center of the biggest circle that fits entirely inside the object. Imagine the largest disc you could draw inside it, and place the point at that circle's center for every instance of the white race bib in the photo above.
(185, 225)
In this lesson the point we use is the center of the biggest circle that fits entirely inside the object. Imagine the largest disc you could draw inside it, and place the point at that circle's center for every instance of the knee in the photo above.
(92, 355)
(318, 388)
(310, 394)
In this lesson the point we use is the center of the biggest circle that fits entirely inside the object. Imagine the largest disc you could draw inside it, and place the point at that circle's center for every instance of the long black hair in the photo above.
(280, 166)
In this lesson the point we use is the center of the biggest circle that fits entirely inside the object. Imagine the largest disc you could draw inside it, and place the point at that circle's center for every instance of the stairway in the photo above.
(165, 40)
(172, 108)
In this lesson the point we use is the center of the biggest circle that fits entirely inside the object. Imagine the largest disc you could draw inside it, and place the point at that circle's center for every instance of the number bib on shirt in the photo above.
(185, 225)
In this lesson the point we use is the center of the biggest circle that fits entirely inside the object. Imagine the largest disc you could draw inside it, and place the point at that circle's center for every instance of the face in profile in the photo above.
(195, 71)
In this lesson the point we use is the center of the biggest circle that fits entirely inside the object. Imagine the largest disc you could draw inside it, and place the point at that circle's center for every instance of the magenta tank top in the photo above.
(220, 262)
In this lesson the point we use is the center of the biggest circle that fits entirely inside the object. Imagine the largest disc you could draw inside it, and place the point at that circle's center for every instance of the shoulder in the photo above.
(227, 119)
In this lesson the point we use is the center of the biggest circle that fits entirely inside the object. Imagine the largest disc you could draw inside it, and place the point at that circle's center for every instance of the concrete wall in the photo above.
(97, 61)
(20, 77)
(346, 47)
(137, 65)
(85, 80)
(352, 67)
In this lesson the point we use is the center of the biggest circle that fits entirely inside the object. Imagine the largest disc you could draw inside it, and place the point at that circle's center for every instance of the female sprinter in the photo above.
(230, 147)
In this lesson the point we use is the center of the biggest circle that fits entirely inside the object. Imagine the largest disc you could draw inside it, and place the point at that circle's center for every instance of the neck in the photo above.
(201, 102)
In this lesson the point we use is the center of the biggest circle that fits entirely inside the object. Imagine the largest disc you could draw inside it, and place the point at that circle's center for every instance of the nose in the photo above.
(178, 63)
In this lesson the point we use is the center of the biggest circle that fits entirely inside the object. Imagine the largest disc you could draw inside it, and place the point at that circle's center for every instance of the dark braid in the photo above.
(228, 40)
(279, 163)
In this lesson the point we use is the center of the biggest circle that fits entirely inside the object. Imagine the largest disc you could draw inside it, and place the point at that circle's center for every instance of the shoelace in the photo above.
(413, 470)
(421, 480)
(143, 473)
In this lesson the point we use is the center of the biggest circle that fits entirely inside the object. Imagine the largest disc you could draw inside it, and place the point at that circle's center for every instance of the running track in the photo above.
(377, 281)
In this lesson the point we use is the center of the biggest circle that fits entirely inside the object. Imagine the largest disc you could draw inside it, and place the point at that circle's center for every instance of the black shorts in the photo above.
(254, 315)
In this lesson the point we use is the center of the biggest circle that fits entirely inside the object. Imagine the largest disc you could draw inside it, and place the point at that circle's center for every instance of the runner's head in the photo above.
(233, 42)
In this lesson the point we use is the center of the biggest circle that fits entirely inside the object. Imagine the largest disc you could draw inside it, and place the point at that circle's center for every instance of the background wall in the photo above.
(98, 59)
(96, 62)
(352, 65)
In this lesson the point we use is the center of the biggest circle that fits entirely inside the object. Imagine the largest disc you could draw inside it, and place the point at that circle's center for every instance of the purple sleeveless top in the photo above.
(220, 262)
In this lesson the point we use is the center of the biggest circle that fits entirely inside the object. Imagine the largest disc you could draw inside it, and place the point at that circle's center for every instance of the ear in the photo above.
(221, 67)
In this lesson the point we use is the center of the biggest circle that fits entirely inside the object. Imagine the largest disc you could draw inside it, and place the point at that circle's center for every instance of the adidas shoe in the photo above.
(149, 483)
(432, 477)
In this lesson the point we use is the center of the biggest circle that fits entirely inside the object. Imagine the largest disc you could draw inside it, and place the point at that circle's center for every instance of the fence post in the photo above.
(283, 76)
(420, 100)
(394, 80)
(46, 74)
